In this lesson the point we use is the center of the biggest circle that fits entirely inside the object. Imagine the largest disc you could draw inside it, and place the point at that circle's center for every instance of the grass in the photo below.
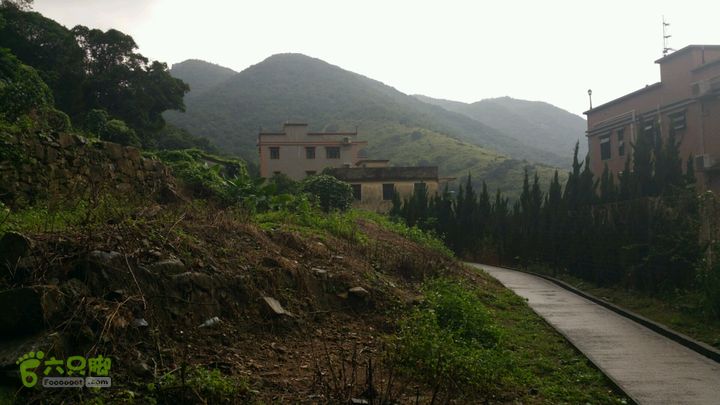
(415, 234)
(490, 345)
(681, 312)
(60, 215)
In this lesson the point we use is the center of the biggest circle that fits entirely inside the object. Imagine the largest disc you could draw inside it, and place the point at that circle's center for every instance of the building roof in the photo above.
(625, 97)
(413, 173)
(686, 50)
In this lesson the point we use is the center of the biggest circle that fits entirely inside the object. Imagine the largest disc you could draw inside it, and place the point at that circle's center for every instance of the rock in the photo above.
(169, 267)
(65, 140)
(319, 272)
(22, 312)
(168, 195)
(273, 308)
(191, 279)
(14, 246)
(139, 323)
(104, 258)
(210, 322)
(114, 150)
(359, 292)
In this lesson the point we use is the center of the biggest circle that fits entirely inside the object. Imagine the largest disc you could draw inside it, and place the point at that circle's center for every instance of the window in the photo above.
(388, 191)
(310, 173)
(419, 188)
(332, 152)
(276, 173)
(605, 151)
(678, 121)
(621, 141)
(357, 191)
(310, 152)
(274, 152)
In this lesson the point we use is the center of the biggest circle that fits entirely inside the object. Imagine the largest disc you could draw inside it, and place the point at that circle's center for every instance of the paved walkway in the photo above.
(649, 367)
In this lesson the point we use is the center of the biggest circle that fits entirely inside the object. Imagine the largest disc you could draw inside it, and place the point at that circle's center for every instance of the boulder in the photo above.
(22, 312)
(169, 267)
(358, 292)
(273, 309)
(13, 247)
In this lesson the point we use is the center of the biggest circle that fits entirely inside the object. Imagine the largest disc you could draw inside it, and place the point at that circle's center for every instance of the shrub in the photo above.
(206, 175)
(211, 385)
(21, 88)
(332, 194)
(451, 342)
(55, 120)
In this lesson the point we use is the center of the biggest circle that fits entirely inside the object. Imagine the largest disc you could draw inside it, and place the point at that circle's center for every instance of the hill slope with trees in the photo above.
(549, 128)
(293, 87)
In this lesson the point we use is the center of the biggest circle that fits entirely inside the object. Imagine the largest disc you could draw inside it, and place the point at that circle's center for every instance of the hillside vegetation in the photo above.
(537, 123)
(293, 87)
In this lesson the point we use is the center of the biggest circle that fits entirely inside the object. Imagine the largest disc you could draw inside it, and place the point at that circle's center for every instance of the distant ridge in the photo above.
(537, 123)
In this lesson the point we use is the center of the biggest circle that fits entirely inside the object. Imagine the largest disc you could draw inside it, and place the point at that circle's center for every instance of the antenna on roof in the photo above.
(666, 38)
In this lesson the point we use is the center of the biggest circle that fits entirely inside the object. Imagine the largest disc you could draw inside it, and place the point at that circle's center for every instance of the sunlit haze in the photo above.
(460, 50)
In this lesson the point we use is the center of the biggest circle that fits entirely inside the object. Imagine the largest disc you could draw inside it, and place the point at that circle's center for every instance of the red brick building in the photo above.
(687, 98)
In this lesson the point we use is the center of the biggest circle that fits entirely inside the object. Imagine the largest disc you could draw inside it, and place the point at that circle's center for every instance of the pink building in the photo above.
(687, 99)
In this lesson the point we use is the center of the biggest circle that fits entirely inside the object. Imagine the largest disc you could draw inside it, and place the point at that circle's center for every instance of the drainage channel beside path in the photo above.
(649, 367)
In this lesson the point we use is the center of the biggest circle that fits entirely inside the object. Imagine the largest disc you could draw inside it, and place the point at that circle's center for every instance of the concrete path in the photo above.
(649, 367)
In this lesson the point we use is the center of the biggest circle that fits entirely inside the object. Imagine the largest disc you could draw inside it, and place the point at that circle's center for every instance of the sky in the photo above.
(551, 51)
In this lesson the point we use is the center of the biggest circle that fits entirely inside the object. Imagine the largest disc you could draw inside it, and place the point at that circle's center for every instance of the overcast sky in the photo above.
(460, 50)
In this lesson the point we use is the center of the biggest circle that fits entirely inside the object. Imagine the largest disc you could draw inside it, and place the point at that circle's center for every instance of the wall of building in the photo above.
(675, 94)
(372, 193)
(293, 161)
(65, 164)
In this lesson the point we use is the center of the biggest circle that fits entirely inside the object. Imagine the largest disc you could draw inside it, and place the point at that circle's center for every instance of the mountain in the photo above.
(537, 123)
(201, 75)
(293, 87)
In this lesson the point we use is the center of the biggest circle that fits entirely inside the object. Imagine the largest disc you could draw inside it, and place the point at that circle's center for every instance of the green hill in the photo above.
(293, 87)
(549, 128)
(201, 75)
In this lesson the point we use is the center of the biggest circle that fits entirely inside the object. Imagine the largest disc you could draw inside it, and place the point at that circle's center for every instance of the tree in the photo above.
(124, 83)
(332, 194)
(644, 165)
(18, 4)
(50, 49)
(21, 88)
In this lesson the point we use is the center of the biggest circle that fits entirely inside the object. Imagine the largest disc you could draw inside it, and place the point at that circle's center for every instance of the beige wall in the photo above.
(371, 194)
(292, 142)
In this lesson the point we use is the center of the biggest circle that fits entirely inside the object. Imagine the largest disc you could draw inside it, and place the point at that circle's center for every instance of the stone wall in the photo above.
(44, 166)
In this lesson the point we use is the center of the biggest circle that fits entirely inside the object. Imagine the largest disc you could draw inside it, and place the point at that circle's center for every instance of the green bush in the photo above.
(206, 175)
(332, 194)
(211, 385)
(21, 88)
(56, 120)
(451, 342)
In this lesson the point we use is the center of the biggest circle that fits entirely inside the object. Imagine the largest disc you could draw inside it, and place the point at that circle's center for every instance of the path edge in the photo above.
(615, 383)
(692, 344)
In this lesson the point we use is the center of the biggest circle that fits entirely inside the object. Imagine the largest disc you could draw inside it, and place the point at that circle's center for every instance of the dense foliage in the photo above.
(641, 232)
(89, 69)
(332, 194)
